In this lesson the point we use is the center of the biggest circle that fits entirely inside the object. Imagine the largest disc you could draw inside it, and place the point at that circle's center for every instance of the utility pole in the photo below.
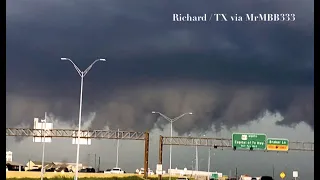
(209, 159)
(236, 173)
(89, 160)
(273, 171)
(197, 161)
(117, 163)
(192, 166)
(95, 163)
(99, 164)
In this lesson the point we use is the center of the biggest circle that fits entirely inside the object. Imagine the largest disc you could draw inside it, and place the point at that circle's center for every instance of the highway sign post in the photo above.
(277, 144)
(282, 175)
(295, 174)
(159, 169)
(249, 141)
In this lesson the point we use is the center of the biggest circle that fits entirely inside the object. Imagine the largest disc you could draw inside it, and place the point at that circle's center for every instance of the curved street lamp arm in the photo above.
(164, 116)
(177, 118)
(88, 68)
(76, 67)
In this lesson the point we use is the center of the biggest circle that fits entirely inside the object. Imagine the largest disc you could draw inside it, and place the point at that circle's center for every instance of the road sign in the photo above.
(249, 140)
(159, 169)
(214, 176)
(277, 144)
(295, 174)
(282, 175)
(42, 136)
(83, 139)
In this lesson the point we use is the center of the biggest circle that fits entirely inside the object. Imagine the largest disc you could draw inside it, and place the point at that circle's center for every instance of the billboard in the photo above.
(40, 136)
(83, 139)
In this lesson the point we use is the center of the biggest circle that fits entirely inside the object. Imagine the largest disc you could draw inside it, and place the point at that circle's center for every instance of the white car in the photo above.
(150, 172)
(141, 171)
(116, 171)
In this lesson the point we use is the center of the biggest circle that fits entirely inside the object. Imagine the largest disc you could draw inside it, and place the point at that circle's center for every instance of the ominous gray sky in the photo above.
(227, 73)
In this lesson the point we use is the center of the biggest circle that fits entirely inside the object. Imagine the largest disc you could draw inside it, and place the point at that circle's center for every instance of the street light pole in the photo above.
(200, 163)
(171, 122)
(117, 163)
(170, 147)
(197, 160)
(273, 171)
(209, 159)
(43, 142)
(197, 156)
(82, 74)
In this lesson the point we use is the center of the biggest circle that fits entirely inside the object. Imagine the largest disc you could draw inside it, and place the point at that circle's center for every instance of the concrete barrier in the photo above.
(30, 174)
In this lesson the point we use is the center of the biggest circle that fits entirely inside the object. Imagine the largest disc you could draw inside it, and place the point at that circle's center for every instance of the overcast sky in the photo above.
(229, 74)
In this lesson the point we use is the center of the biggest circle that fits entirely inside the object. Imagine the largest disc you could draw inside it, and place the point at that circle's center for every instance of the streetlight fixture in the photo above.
(82, 74)
(171, 122)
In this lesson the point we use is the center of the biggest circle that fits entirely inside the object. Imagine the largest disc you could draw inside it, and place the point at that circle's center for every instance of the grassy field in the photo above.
(11, 175)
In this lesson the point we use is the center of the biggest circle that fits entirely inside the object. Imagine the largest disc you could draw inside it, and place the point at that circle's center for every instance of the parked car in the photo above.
(61, 169)
(87, 170)
(150, 172)
(38, 169)
(108, 171)
(116, 170)
(266, 178)
(141, 171)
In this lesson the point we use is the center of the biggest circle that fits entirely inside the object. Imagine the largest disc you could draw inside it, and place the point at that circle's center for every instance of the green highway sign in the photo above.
(214, 176)
(249, 140)
(277, 144)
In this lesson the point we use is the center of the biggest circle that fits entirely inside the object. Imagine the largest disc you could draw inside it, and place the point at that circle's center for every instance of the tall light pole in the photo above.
(200, 163)
(43, 142)
(197, 156)
(171, 122)
(197, 159)
(209, 159)
(82, 74)
(117, 163)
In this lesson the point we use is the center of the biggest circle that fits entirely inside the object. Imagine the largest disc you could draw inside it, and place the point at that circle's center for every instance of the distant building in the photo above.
(14, 166)
(33, 165)
(8, 156)
(70, 166)
(52, 166)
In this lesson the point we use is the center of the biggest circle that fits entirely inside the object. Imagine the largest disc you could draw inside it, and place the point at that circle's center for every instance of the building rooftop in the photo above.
(40, 163)
(14, 163)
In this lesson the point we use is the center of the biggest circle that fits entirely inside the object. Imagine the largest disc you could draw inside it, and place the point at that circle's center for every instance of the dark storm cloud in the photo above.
(226, 73)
